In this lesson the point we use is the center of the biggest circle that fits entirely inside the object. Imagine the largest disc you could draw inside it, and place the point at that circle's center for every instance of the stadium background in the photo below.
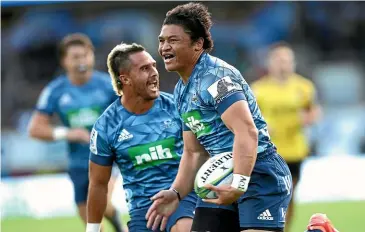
(328, 38)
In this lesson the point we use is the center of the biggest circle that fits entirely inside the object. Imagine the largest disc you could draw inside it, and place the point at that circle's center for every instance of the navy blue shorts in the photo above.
(80, 181)
(138, 222)
(265, 203)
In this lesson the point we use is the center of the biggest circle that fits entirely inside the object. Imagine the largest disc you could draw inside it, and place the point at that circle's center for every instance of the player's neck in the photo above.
(186, 73)
(281, 79)
(136, 105)
(77, 79)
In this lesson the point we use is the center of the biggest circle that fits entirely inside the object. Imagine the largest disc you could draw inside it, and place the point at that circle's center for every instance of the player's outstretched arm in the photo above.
(40, 127)
(98, 193)
(165, 202)
(239, 120)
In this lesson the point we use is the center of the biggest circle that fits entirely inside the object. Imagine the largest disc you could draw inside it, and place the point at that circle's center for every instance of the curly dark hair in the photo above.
(196, 21)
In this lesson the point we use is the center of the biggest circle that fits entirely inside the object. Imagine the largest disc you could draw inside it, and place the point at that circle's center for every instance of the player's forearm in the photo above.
(42, 132)
(245, 151)
(96, 203)
(189, 166)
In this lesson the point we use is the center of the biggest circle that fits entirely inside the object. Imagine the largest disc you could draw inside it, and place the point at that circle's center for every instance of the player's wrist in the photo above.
(93, 227)
(60, 133)
(177, 193)
(240, 182)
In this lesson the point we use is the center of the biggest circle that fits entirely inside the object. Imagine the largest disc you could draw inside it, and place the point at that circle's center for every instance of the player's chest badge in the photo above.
(194, 98)
(168, 124)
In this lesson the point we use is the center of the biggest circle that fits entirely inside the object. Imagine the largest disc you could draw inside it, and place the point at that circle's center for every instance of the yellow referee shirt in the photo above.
(281, 105)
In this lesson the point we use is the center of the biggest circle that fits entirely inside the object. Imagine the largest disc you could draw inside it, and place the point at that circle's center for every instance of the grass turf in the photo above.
(346, 216)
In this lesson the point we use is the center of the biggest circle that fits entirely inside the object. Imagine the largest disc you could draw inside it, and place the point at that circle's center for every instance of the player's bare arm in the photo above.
(40, 127)
(166, 201)
(239, 120)
(244, 152)
(193, 158)
(98, 193)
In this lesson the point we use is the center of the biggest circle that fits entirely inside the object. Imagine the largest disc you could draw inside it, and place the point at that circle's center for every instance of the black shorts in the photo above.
(215, 220)
(295, 167)
(220, 220)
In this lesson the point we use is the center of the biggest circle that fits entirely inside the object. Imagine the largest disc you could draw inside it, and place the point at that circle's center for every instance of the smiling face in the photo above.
(176, 48)
(78, 60)
(142, 78)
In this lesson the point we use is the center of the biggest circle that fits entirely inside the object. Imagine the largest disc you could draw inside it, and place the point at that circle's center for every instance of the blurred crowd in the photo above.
(327, 37)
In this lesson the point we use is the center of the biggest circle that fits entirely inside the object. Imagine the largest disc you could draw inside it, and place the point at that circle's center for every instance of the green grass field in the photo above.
(346, 216)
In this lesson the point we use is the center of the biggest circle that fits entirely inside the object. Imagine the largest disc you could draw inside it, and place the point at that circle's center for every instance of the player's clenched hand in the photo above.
(226, 194)
(79, 135)
(164, 204)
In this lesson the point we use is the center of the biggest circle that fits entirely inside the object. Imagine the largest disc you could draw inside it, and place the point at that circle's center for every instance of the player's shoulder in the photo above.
(262, 82)
(213, 69)
(166, 101)
(166, 97)
(218, 67)
(100, 76)
(302, 81)
(58, 82)
(109, 116)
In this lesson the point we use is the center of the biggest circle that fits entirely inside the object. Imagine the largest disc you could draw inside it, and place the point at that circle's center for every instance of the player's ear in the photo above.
(198, 45)
(124, 79)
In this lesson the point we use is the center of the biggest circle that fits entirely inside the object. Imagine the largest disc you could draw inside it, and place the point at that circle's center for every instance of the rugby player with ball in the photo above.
(220, 114)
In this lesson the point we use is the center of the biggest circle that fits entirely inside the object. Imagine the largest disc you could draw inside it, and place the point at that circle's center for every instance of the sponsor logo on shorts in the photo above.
(287, 183)
(282, 214)
(153, 154)
(266, 216)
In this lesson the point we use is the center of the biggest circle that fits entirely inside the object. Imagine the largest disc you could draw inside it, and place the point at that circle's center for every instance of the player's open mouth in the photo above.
(168, 58)
(153, 85)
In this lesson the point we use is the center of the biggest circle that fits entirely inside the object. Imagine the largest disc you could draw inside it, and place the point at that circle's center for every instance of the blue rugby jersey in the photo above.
(146, 147)
(78, 106)
(214, 86)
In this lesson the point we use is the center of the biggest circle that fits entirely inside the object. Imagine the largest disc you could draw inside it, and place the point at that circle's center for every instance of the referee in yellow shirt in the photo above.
(288, 104)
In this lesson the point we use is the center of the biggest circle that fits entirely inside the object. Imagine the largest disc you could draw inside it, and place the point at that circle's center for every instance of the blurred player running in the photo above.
(78, 98)
(288, 103)
(320, 223)
(141, 131)
(220, 114)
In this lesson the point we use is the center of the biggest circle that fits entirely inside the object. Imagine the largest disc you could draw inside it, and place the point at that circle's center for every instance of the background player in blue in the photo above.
(220, 111)
(141, 131)
(78, 98)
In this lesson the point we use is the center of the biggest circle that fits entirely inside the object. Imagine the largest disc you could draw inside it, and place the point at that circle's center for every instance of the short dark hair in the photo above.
(196, 21)
(118, 61)
(279, 44)
(74, 39)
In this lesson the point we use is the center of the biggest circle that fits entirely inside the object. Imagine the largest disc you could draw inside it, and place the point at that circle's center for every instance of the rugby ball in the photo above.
(216, 171)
